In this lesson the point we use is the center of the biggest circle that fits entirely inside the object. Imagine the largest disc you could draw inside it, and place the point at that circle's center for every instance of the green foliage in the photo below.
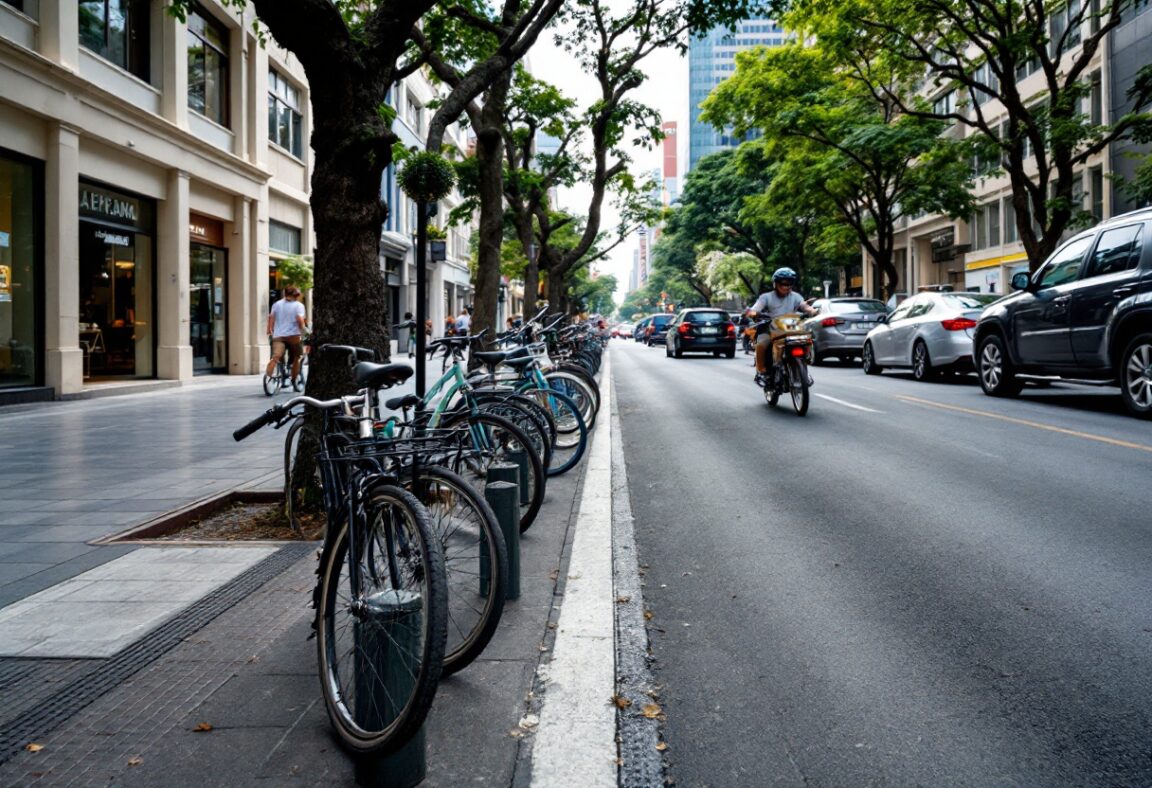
(295, 271)
(427, 176)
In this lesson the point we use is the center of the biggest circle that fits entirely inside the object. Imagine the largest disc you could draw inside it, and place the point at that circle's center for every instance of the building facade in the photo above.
(152, 173)
(711, 60)
(982, 253)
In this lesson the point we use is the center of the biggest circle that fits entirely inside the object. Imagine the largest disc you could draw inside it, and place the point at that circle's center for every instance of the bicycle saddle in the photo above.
(380, 376)
(522, 362)
(490, 358)
(402, 403)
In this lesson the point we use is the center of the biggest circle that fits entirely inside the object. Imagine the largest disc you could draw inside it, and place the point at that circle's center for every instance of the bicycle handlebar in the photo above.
(264, 419)
(281, 413)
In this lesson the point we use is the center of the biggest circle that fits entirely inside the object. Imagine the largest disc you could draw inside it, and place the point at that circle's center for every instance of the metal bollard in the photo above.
(386, 637)
(501, 497)
(520, 457)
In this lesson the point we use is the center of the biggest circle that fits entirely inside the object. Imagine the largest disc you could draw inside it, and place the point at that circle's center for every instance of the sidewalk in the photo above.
(191, 665)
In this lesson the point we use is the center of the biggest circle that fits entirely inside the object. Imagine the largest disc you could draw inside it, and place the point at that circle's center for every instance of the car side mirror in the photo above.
(1020, 281)
(882, 319)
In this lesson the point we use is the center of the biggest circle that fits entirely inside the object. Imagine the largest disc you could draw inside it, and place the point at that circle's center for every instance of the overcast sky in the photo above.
(666, 90)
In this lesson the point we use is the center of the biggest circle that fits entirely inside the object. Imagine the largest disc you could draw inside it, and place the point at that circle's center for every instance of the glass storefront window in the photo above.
(207, 323)
(19, 274)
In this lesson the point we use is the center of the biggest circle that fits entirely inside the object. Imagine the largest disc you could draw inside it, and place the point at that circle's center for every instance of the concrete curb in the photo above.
(641, 763)
(576, 739)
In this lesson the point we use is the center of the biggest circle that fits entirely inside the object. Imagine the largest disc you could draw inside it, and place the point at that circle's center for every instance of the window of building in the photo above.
(17, 4)
(945, 104)
(283, 238)
(1027, 68)
(979, 230)
(285, 121)
(1009, 221)
(1096, 101)
(118, 31)
(1096, 184)
(414, 114)
(208, 66)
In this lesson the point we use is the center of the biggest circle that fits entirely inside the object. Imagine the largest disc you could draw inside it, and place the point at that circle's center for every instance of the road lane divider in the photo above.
(1026, 423)
(846, 404)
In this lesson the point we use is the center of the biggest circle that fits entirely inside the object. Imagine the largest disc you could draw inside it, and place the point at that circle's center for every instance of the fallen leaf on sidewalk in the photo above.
(662, 746)
(621, 702)
(135, 761)
(652, 711)
(648, 615)
(33, 747)
(529, 721)
(623, 599)
(203, 727)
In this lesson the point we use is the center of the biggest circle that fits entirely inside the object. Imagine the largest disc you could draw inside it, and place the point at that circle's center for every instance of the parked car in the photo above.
(929, 332)
(842, 324)
(1084, 315)
(657, 327)
(701, 330)
(641, 328)
(623, 330)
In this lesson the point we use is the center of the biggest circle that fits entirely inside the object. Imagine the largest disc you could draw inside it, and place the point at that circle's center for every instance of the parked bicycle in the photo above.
(381, 598)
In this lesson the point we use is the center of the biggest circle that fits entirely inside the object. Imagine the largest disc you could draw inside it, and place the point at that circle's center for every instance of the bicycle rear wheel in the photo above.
(380, 647)
(571, 431)
(475, 562)
(273, 382)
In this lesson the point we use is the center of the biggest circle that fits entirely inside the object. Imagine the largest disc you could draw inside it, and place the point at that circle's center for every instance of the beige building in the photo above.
(984, 252)
(152, 172)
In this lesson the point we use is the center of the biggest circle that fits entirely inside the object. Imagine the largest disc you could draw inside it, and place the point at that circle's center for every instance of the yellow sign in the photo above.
(5, 280)
(992, 262)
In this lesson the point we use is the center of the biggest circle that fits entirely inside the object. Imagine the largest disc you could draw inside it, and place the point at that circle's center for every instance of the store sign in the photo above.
(113, 239)
(205, 230)
(96, 202)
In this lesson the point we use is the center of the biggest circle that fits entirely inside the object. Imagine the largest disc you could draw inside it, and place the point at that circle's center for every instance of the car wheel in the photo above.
(668, 349)
(730, 353)
(677, 352)
(997, 376)
(869, 361)
(1136, 376)
(921, 363)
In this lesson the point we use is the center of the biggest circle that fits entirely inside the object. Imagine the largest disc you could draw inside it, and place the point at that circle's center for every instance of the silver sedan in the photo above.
(930, 333)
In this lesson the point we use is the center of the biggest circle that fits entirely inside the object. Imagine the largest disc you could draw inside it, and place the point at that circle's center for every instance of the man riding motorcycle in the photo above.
(780, 300)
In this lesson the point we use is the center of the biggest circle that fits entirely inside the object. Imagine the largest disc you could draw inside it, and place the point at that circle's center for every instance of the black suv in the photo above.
(1085, 315)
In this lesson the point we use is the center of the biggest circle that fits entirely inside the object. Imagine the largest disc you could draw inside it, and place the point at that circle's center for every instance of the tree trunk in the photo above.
(490, 160)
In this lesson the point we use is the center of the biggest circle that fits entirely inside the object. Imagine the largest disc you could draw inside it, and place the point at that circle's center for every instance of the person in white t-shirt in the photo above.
(286, 326)
(463, 322)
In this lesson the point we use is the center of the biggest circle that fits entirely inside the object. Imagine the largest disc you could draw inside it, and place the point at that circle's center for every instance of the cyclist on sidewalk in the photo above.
(286, 326)
(780, 300)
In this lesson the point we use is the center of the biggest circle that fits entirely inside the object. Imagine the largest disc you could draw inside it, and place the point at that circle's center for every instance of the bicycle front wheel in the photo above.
(381, 622)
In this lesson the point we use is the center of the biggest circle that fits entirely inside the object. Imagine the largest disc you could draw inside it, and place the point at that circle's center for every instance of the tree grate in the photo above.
(80, 691)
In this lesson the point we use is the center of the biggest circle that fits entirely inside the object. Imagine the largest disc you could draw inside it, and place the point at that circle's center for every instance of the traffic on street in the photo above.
(914, 584)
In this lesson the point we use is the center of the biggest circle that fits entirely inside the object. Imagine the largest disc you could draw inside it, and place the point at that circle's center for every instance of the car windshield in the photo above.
(661, 320)
(970, 300)
(863, 305)
(706, 317)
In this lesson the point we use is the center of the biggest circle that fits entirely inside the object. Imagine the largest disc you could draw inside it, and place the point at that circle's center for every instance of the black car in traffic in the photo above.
(1085, 316)
(701, 330)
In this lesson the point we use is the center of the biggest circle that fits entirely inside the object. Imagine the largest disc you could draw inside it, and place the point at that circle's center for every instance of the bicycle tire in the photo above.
(292, 497)
(517, 412)
(579, 391)
(571, 431)
(272, 384)
(475, 561)
(584, 375)
(503, 436)
(362, 724)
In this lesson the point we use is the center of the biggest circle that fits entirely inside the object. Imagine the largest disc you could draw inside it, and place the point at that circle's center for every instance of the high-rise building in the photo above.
(711, 60)
(671, 186)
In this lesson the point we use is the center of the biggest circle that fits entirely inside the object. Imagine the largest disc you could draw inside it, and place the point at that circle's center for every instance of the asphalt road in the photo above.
(915, 584)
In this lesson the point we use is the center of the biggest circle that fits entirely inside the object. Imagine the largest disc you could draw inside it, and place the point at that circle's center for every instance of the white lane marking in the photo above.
(846, 404)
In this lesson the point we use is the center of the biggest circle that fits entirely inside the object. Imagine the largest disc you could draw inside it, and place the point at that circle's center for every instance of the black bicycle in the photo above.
(382, 595)
(281, 377)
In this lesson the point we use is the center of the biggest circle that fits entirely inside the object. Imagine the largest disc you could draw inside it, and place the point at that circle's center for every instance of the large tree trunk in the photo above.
(490, 160)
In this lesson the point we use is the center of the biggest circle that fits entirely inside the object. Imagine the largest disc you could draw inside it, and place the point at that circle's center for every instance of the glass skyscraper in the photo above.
(711, 60)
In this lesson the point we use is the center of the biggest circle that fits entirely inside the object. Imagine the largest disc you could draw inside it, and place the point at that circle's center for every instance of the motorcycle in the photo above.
(791, 355)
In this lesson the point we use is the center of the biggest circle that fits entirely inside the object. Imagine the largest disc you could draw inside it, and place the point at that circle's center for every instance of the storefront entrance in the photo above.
(21, 272)
(208, 323)
(116, 284)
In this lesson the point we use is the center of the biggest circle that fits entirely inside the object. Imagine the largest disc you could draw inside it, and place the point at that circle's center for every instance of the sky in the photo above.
(666, 90)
